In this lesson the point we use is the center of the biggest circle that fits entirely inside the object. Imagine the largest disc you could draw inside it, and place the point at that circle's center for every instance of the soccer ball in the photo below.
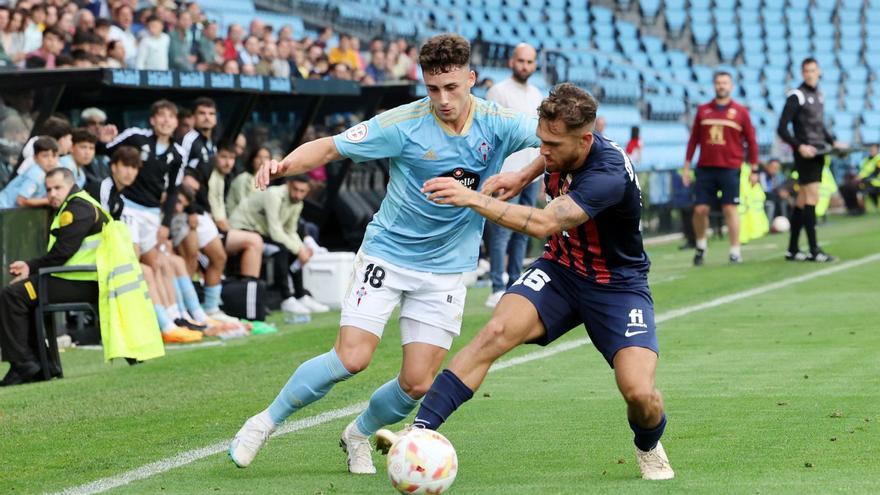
(781, 224)
(422, 461)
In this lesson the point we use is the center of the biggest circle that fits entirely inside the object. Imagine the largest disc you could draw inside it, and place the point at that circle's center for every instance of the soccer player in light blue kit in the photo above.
(414, 252)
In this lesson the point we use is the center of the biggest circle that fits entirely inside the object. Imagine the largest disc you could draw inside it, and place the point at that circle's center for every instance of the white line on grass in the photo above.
(188, 457)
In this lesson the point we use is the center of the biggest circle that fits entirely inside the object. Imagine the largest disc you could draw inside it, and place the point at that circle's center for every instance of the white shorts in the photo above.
(206, 230)
(431, 304)
(143, 225)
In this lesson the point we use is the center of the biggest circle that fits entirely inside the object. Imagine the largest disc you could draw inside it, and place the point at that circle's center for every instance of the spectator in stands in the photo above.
(181, 47)
(285, 33)
(517, 94)
(283, 65)
(231, 66)
(275, 214)
(268, 56)
(775, 186)
(600, 125)
(123, 17)
(339, 71)
(28, 189)
(205, 46)
(51, 47)
(378, 69)
(153, 50)
(345, 53)
(324, 37)
(57, 128)
(243, 185)
(13, 35)
(84, 20)
(634, 146)
(249, 70)
(249, 53)
(102, 28)
(248, 244)
(115, 54)
(232, 44)
(257, 28)
(33, 31)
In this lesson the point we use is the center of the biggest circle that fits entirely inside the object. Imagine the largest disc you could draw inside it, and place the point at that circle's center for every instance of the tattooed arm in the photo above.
(561, 214)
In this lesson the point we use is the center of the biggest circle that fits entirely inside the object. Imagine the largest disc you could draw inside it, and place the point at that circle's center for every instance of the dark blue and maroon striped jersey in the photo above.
(607, 248)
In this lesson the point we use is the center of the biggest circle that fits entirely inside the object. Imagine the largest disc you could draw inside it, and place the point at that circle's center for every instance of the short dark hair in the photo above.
(809, 60)
(187, 192)
(203, 101)
(570, 104)
(65, 173)
(54, 31)
(184, 113)
(45, 143)
(82, 135)
(103, 22)
(153, 18)
(444, 53)
(55, 127)
(162, 104)
(299, 178)
(128, 156)
(226, 146)
(721, 73)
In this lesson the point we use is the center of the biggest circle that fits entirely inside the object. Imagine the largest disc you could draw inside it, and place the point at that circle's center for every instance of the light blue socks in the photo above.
(311, 381)
(186, 289)
(388, 405)
(212, 297)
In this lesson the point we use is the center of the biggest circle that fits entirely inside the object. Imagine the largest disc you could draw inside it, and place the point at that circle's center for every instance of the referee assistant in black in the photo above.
(77, 220)
(804, 110)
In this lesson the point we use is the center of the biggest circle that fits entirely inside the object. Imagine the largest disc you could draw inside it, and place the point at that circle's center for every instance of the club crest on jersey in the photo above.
(731, 113)
(357, 133)
(484, 150)
(360, 294)
(468, 179)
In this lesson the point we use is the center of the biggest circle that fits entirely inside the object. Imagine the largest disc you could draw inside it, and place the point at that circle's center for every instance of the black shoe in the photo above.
(20, 373)
(735, 259)
(185, 323)
(699, 257)
(796, 256)
(820, 257)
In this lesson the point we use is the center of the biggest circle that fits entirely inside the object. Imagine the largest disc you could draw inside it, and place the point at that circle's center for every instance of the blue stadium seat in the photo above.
(649, 8)
(870, 135)
(675, 20)
(728, 49)
(778, 59)
(703, 34)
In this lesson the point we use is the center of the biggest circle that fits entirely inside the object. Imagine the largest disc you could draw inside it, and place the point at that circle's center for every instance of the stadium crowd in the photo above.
(166, 35)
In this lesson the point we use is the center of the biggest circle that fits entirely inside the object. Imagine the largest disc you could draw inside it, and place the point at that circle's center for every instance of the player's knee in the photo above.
(354, 360)
(415, 385)
(495, 335)
(701, 210)
(640, 395)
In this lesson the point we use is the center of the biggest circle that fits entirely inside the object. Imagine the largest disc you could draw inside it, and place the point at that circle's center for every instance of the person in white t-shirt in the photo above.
(515, 93)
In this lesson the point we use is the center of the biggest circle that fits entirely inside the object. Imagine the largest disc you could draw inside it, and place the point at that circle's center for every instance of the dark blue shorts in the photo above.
(710, 180)
(615, 317)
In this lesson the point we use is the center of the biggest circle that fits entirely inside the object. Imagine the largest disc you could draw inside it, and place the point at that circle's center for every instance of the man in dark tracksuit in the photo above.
(77, 220)
(804, 109)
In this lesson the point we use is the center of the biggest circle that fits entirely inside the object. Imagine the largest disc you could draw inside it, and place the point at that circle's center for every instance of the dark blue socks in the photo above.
(447, 393)
(646, 440)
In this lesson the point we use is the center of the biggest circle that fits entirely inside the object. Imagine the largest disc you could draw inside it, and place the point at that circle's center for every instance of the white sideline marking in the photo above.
(188, 457)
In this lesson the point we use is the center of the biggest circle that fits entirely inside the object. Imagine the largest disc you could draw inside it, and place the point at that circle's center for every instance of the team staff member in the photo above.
(722, 128)
(71, 242)
(804, 110)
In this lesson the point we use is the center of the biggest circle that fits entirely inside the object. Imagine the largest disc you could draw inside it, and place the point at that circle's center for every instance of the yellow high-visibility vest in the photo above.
(753, 222)
(85, 255)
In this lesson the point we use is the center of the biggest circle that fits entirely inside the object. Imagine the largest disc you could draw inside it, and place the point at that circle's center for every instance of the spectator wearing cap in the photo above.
(154, 48)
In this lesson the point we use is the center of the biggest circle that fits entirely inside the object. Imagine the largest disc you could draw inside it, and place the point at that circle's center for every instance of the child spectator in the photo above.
(82, 157)
(50, 47)
(152, 53)
(28, 189)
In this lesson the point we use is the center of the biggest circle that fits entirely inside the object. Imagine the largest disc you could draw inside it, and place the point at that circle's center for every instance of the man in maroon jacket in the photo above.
(722, 128)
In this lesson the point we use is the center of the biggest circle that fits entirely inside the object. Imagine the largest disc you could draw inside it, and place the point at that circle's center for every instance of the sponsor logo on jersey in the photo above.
(468, 179)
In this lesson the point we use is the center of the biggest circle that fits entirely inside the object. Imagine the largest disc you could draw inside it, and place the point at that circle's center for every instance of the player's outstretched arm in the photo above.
(561, 214)
(304, 158)
(508, 184)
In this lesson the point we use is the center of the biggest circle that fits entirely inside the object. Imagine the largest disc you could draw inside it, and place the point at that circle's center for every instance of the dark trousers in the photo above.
(18, 304)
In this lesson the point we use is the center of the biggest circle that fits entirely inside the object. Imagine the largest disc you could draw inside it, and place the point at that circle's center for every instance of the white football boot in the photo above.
(359, 450)
(654, 464)
(252, 436)
(313, 305)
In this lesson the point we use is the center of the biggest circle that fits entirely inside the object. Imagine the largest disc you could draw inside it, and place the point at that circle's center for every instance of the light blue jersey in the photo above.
(409, 230)
(79, 176)
(30, 184)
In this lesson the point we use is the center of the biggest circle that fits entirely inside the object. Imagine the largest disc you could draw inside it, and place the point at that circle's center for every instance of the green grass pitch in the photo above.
(774, 393)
